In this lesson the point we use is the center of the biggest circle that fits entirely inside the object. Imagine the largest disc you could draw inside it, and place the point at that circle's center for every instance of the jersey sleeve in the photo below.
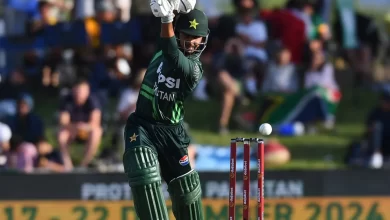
(191, 69)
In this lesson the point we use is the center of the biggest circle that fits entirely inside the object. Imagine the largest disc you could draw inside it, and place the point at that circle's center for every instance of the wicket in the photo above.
(246, 177)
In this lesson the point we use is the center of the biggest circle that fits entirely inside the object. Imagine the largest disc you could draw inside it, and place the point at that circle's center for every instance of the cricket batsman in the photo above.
(155, 138)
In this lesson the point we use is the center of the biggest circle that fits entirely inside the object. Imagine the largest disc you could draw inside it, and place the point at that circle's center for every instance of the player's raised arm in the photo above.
(182, 45)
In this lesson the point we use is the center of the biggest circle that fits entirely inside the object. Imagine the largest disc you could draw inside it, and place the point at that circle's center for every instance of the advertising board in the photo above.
(309, 208)
(114, 186)
(215, 185)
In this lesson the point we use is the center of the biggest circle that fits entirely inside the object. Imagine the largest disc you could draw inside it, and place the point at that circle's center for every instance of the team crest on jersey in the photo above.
(184, 160)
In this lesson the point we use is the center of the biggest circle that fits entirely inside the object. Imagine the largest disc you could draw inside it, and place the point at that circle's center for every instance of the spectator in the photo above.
(5, 137)
(288, 30)
(252, 32)
(380, 115)
(80, 118)
(48, 158)
(281, 75)
(21, 155)
(317, 30)
(105, 12)
(10, 90)
(109, 71)
(124, 7)
(62, 9)
(304, 10)
(320, 73)
(45, 17)
(83, 9)
(26, 124)
(376, 138)
(231, 71)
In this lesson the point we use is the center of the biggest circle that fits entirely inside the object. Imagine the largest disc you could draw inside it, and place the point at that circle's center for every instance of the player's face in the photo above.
(190, 43)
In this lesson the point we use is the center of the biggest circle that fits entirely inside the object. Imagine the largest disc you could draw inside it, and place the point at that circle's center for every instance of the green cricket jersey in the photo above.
(169, 79)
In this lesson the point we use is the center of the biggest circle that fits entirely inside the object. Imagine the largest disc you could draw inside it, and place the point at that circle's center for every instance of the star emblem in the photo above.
(133, 138)
(193, 24)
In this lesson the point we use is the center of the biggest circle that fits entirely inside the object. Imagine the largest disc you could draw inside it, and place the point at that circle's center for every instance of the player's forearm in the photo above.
(169, 45)
(167, 30)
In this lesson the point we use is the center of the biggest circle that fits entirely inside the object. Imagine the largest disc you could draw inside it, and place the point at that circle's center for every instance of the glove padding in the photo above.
(161, 8)
(183, 6)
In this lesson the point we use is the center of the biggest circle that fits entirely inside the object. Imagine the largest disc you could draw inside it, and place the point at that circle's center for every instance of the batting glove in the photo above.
(162, 9)
(183, 6)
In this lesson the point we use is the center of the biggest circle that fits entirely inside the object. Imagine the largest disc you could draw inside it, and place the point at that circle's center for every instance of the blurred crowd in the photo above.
(252, 51)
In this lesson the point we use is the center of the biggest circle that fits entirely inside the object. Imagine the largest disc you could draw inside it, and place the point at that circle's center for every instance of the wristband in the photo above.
(168, 19)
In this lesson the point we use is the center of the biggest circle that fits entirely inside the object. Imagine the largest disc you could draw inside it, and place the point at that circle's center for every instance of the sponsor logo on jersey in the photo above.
(184, 160)
(169, 81)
